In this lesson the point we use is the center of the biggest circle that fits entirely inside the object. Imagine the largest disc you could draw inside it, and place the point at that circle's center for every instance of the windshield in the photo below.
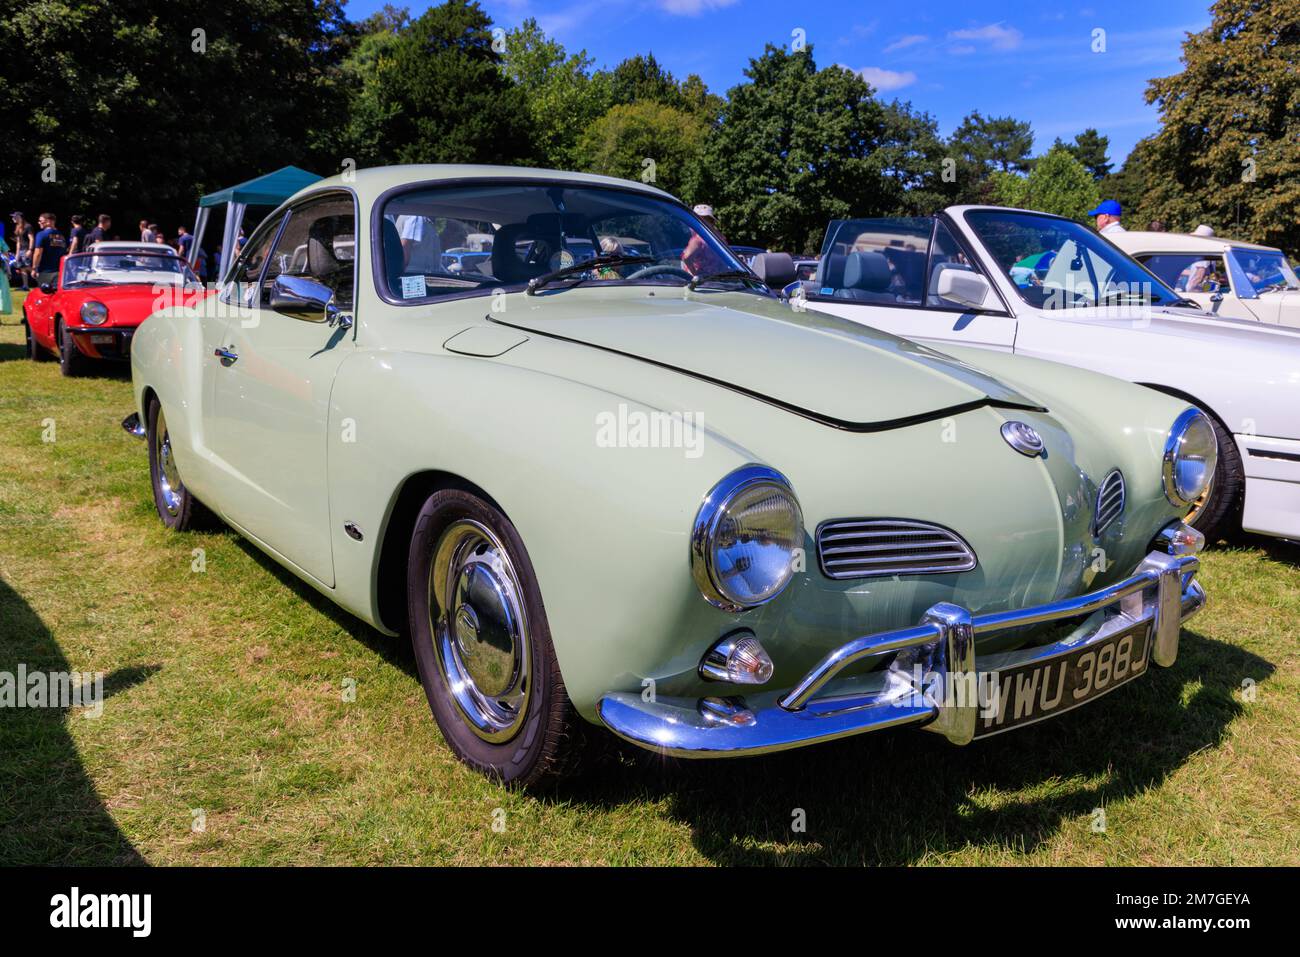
(462, 240)
(104, 269)
(1266, 270)
(1059, 264)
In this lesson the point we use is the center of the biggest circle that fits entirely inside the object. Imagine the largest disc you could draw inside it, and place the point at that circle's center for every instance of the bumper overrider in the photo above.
(935, 679)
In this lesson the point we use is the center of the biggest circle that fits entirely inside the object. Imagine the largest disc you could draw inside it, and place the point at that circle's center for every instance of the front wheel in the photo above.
(483, 646)
(34, 350)
(178, 509)
(1217, 514)
(71, 361)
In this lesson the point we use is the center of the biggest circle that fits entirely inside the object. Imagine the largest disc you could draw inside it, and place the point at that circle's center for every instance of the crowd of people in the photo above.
(30, 253)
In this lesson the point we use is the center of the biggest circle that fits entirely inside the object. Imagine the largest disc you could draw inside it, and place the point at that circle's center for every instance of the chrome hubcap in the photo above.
(480, 632)
(169, 477)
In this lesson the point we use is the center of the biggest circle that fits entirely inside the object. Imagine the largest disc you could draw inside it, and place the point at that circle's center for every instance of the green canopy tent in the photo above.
(269, 190)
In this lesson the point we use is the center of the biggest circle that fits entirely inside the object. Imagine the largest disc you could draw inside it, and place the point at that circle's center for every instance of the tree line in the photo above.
(133, 107)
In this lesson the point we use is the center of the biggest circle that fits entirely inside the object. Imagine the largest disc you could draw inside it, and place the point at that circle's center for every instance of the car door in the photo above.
(276, 370)
(885, 273)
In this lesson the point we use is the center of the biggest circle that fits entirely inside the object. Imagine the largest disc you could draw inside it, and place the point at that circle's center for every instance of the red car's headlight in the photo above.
(94, 313)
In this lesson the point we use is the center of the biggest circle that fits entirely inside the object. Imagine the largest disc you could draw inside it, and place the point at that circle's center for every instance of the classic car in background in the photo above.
(1233, 280)
(639, 491)
(99, 300)
(1032, 284)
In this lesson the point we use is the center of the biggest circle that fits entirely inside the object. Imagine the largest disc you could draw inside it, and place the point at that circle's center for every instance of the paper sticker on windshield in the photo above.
(412, 287)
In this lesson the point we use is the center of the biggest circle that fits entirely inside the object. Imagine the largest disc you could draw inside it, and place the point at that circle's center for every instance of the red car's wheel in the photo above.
(35, 351)
(71, 361)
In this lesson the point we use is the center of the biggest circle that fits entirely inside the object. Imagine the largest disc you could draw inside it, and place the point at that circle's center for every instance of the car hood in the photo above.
(841, 373)
(129, 304)
(1190, 324)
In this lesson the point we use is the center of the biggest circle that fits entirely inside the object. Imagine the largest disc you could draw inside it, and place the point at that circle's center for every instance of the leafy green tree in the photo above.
(1090, 148)
(994, 143)
(124, 108)
(646, 141)
(1228, 150)
(1058, 184)
(564, 96)
(1130, 185)
(434, 92)
(797, 147)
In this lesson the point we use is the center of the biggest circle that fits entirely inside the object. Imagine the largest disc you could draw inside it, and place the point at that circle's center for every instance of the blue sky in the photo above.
(1032, 61)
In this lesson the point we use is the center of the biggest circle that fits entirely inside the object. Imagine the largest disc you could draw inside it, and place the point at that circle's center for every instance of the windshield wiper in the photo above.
(537, 282)
(738, 275)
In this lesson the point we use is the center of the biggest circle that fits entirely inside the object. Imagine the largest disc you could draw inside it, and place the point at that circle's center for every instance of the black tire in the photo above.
(550, 735)
(34, 350)
(1220, 517)
(71, 361)
(179, 510)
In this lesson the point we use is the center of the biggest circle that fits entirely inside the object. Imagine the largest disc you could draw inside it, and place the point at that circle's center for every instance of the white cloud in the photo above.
(692, 8)
(902, 43)
(996, 35)
(884, 80)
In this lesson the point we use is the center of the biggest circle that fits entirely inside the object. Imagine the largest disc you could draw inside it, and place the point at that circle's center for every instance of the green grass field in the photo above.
(226, 737)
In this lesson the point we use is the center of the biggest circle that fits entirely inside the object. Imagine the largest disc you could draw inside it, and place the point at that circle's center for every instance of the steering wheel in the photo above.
(662, 269)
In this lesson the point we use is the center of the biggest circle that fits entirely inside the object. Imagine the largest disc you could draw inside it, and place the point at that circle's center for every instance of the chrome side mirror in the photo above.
(301, 297)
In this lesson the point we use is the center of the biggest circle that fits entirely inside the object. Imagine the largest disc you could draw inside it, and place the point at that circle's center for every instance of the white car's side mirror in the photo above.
(963, 286)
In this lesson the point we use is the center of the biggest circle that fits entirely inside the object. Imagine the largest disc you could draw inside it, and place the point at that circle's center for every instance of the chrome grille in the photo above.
(869, 548)
(1110, 502)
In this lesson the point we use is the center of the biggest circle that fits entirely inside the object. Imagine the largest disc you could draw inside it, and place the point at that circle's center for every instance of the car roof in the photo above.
(1180, 242)
(110, 245)
(375, 181)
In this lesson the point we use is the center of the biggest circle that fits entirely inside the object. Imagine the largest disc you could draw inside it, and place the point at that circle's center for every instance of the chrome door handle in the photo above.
(225, 355)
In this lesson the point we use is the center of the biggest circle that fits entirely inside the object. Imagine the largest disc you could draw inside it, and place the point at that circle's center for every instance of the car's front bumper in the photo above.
(938, 653)
(103, 342)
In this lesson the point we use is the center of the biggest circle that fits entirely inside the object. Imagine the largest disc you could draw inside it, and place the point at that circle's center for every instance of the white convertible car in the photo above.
(1233, 280)
(1028, 283)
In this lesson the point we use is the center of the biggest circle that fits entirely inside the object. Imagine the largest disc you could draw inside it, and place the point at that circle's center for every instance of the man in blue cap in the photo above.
(1108, 214)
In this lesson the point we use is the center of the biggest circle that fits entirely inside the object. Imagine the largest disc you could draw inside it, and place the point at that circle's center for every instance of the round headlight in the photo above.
(744, 539)
(94, 313)
(1191, 453)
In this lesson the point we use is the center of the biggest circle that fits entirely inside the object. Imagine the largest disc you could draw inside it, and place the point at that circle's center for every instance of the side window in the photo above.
(945, 255)
(1188, 272)
(319, 243)
(242, 285)
(876, 260)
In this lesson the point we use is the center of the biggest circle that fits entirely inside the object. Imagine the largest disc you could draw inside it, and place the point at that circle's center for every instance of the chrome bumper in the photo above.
(1161, 593)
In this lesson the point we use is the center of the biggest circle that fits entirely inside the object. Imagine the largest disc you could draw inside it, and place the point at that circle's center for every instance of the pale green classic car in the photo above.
(640, 491)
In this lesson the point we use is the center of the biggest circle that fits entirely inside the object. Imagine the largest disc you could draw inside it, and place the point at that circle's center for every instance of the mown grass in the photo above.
(227, 699)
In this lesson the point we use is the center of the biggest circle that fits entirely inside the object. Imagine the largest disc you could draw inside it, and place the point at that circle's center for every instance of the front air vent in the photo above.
(1110, 502)
(872, 547)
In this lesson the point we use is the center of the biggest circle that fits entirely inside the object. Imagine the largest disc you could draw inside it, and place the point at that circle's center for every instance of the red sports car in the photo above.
(100, 299)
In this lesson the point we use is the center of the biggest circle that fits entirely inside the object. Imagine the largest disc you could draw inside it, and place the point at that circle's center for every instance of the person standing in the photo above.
(100, 232)
(146, 234)
(22, 248)
(6, 300)
(48, 250)
(1108, 213)
(77, 237)
(184, 242)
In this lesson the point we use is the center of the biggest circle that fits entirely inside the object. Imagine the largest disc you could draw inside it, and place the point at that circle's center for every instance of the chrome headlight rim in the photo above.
(707, 519)
(1173, 446)
(94, 313)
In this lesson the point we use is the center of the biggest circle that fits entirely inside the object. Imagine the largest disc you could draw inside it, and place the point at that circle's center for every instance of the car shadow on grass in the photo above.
(50, 812)
(898, 797)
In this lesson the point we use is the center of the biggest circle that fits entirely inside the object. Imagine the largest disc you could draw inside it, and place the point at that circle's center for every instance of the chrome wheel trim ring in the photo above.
(169, 477)
(480, 630)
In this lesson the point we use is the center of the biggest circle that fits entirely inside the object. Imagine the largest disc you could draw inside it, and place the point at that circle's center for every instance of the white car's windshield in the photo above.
(1266, 270)
(461, 240)
(111, 269)
(1059, 264)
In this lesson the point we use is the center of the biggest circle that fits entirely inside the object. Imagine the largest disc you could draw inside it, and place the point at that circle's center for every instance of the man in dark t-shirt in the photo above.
(77, 236)
(184, 242)
(100, 231)
(50, 248)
